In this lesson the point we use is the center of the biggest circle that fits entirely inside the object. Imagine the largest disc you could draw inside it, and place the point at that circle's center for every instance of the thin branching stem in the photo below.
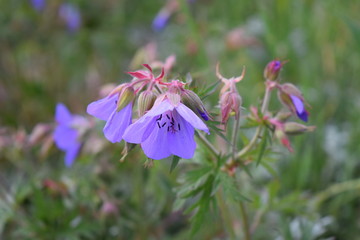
(207, 144)
(258, 131)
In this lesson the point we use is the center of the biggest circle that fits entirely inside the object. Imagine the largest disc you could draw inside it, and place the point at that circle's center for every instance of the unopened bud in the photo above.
(125, 97)
(230, 103)
(283, 116)
(272, 70)
(294, 128)
(145, 101)
(192, 101)
(291, 96)
(281, 136)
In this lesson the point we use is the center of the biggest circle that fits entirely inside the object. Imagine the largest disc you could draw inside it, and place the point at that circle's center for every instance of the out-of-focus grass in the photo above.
(41, 63)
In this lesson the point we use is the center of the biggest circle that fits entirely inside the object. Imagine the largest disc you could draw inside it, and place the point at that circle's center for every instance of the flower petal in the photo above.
(160, 108)
(191, 118)
(71, 154)
(140, 130)
(303, 116)
(298, 103)
(117, 123)
(65, 137)
(103, 108)
(181, 142)
(62, 114)
(156, 146)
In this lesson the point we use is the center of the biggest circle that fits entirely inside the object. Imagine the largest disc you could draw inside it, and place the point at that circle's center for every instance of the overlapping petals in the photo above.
(166, 130)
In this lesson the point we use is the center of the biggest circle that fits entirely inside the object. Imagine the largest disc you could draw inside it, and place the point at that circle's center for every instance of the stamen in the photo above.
(168, 128)
(179, 126)
(158, 124)
(159, 118)
(163, 124)
(168, 116)
(172, 119)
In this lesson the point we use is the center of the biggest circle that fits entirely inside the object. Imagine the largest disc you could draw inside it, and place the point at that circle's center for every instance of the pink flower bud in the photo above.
(230, 103)
(272, 70)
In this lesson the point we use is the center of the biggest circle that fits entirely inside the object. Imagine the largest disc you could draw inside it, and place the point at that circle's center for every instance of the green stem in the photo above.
(258, 131)
(234, 137)
(336, 189)
(207, 144)
(245, 221)
(225, 214)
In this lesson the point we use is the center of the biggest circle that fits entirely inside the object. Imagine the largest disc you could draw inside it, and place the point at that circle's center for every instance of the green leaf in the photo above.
(230, 188)
(209, 90)
(174, 163)
(262, 147)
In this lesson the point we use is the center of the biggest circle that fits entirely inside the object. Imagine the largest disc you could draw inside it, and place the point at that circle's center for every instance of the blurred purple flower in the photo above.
(161, 20)
(166, 130)
(38, 5)
(300, 108)
(66, 136)
(70, 14)
(117, 121)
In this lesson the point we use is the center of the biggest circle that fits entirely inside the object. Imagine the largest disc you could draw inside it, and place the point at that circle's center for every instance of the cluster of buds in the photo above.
(291, 97)
(167, 115)
(230, 99)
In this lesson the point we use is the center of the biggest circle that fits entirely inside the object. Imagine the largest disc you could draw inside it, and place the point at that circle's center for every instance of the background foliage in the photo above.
(311, 194)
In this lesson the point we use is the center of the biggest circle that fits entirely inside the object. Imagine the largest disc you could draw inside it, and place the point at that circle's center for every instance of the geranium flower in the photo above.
(66, 134)
(167, 129)
(116, 120)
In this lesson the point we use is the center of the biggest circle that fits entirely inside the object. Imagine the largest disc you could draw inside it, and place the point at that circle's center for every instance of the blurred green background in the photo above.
(43, 62)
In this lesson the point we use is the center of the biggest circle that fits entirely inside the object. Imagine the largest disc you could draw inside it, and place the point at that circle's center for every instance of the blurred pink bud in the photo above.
(272, 70)
(239, 38)
(109, 208)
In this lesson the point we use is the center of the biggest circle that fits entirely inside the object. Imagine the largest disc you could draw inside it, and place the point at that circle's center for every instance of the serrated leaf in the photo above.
(230, 188)
(174, 163)
(209, 90)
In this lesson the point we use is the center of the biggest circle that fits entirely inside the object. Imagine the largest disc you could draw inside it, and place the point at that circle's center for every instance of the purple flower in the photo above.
(71, 15)
(166, 130)
(117, 121)
(66, 136)
(299, 108)
(161, 20)
(38, 5)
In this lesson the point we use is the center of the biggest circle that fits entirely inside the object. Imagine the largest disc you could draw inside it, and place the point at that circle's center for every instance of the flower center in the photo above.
(167, 121)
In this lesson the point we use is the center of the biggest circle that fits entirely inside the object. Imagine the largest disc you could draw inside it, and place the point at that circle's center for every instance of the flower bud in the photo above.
(145, 101)
(281, 136)
(291, 97)
(126, 96)
(272, 70)
(282, 116)
(192, 101)
(230, 102)
(294, 128)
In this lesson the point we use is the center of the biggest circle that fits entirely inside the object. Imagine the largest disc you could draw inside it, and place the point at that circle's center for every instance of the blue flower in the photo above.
(116, 120)
(66, 136)
(166, 130)
(71, 16)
